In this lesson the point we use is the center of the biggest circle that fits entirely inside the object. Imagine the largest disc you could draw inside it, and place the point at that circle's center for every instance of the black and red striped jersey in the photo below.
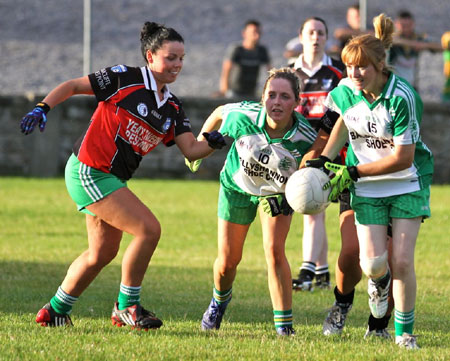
(315, 86)
(129, 122)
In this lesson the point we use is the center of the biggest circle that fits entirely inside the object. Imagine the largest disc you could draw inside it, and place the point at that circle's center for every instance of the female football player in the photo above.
(319, 74)
(270, 139)
(388, 169)
(135, 112)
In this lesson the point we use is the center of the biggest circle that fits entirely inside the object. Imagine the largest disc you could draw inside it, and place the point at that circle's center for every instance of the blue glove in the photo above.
(215, 139)
(344, 178)
(37, 116)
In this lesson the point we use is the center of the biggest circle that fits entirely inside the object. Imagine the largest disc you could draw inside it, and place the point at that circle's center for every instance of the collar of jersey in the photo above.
(150, 84)
(326, 60)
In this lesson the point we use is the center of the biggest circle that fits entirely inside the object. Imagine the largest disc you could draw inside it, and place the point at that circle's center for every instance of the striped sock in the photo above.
(128, 296)
(310, 266)
(404, 322)
(222, 296)
(62, 302)
(320, 270)
(282, 318)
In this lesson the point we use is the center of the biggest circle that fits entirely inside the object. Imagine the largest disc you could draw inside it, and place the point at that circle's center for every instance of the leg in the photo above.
(404, 236)
(348, 271)
(275, 231)
(122, 210)
(374, 263)
(104, 241)
(314, 239)
(405, 232)
(230, 245)
(231, 237)
(315, 251)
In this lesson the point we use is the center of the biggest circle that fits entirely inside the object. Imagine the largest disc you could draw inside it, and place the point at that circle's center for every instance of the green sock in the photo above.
(222, 296)
(404, 322)
(128, 296)
(62, 302)
(282, 318)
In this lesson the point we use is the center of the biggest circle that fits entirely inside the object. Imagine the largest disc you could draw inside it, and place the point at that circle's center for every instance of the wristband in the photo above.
(44, 106)
(353, 172)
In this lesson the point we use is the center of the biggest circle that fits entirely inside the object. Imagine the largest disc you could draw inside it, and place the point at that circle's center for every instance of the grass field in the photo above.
(41, 233)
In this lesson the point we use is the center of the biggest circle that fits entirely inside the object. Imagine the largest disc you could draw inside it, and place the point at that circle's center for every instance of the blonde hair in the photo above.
(284, 73)
(368, 49)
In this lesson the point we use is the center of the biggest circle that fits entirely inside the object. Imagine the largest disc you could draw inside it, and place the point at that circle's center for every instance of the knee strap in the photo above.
(374, 266)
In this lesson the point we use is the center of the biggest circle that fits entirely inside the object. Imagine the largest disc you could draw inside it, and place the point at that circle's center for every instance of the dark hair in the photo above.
(288, 74)
(252, 22)
(317, 19)
(405, 14)
(153, 35)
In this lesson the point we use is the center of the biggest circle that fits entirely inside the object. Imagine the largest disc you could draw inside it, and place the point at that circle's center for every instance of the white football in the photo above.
(304, 191)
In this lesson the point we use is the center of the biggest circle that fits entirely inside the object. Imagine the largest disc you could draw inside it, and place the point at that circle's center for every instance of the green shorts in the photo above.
(381, 210)
(236, 207)
(87, 185)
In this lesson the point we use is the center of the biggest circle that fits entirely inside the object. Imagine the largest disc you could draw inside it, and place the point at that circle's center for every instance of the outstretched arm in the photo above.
(63, 91)
(201, 147)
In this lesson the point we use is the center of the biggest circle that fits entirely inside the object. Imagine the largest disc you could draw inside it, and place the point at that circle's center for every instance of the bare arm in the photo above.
(65, 90)
(419, 45)
(225, 76)
(317, 147)
(338, 138)
(194, 149)
(402, 158)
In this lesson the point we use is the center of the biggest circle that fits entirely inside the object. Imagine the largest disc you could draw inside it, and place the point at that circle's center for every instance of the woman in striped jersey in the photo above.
(270, 139)
(135, 112)
(388, 169)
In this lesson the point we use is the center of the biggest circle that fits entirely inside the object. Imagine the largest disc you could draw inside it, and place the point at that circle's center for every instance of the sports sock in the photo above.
(378, 323)
(62, 302)
(309, 266)
(340, 298)
(320, 270)
(404, 322)
(222, 296)
(282, 318)
(383, 280)
(128, 296)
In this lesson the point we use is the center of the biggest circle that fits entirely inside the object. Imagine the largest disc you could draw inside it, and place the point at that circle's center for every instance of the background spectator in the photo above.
(240, 69)
(404, 54)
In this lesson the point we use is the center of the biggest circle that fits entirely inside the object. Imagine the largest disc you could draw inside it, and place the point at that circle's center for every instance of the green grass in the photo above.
(41, 233)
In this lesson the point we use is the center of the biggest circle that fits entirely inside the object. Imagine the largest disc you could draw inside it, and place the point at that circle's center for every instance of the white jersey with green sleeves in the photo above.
(374, 129)
(256, 164)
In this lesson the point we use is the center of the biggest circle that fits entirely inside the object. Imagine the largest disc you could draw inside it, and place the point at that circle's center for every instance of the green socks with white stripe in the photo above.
(128, 296)
(62, 302)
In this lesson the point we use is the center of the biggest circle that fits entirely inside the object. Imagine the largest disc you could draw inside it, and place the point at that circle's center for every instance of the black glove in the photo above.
(319, 163)
(215, 139)
(275, 205)
(37, 116)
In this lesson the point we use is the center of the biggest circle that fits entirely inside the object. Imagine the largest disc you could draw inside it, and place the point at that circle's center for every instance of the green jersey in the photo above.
(256, 164)
(376, 128)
